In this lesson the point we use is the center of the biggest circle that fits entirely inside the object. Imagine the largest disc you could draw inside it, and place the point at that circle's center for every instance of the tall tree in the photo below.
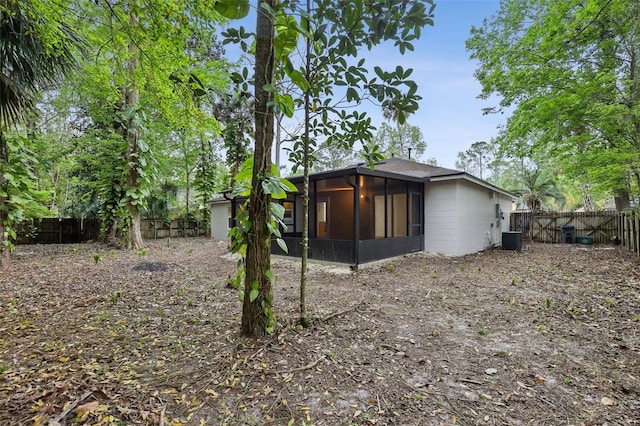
(569, 70)
(36, 49)
(257, 313)
(331, 34)
(131, 98)
(332, 37)
(404, 141)
(476, 158)
(148, 71)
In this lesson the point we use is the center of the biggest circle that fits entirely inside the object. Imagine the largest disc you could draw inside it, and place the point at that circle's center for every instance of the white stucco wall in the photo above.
(220, 213)
(440, 225)
(460, 217)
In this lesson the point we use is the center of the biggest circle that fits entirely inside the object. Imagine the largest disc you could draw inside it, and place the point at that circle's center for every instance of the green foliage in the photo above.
(21, 200)
(276, 187)
(536, 188)
(332, 82)
(232, 9)
(568, 71)
(37, 48)
(400, 141)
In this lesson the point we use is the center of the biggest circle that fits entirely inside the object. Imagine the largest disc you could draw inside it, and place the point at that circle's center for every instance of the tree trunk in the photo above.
(304, 318)
(278, 140)
(112, 236)
(257, 314)
(587, 199)
(622, 200)
(134, 237)
(5, 259)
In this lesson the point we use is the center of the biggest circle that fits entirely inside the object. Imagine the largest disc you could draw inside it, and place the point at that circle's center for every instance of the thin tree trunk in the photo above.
(5, 258)
(204, 174)
(112, 236)
(587, 199)
(304, 318)
(187, 171)
(278, 140)
(134, 237)
(257, 314)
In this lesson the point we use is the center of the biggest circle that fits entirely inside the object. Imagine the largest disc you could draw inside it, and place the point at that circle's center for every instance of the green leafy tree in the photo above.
(235, 112)
(569, 71)
(403, 141)
(146, 84)
(328, 157)
(36, 50)
(330, 78)
(333, 37)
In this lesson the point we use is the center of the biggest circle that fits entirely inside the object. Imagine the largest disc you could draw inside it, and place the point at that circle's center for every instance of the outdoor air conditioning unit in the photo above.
(512, 240)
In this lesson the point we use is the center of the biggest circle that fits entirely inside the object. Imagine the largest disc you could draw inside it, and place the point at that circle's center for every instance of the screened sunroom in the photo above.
(357, 215)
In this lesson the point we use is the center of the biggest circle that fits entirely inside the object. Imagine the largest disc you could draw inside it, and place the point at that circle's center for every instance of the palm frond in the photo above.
(28, 63)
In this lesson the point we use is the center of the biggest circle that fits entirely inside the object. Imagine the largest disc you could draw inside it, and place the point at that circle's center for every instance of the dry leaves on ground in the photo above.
(547, 336)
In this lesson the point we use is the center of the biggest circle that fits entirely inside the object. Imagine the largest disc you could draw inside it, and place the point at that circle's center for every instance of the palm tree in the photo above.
(34, 54)
(535, 188)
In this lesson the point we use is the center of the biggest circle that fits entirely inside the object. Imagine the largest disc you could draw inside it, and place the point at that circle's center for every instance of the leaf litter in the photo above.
(92, 335)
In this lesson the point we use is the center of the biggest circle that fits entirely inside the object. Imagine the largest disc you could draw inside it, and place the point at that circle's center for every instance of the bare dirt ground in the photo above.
(550, 336)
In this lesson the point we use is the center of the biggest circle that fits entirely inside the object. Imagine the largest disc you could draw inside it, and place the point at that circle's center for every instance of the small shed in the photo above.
(221, 219)
(358, 214)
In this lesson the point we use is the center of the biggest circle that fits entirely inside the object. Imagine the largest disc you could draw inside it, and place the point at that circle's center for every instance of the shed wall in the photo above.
(220, 214)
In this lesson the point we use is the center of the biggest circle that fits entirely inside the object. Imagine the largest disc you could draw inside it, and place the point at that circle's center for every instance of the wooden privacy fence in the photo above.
(603, 226)
(629, 230)
(67, 230)
(152, 229)
(57, 231)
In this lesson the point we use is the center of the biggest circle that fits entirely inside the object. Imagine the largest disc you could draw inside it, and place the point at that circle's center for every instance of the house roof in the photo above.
(400, 168)
(413, 168)
(393, 167)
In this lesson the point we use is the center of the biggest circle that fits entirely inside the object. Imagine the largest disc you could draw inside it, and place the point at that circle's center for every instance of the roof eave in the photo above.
(473, 179)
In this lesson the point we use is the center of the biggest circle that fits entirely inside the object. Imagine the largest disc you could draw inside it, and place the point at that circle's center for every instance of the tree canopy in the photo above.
(569, 72)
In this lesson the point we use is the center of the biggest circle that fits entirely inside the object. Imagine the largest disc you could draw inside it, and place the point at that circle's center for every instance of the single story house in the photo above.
(358, 214)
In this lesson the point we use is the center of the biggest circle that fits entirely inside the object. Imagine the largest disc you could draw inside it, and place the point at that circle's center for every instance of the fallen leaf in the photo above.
(89, 406)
